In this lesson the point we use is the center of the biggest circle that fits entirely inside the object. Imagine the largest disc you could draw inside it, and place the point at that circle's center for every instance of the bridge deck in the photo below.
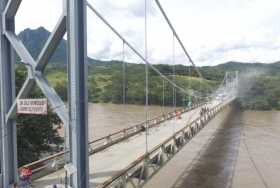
(107, 163)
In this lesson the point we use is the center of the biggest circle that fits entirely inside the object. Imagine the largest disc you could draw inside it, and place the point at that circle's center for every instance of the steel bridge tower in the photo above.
(73, 22)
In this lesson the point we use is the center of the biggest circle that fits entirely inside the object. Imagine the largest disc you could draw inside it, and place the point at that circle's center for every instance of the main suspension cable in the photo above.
(136, 51)
(179, 40)
(177, 37)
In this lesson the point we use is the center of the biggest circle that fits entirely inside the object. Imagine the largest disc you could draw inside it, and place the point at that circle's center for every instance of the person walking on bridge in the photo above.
(25, 177)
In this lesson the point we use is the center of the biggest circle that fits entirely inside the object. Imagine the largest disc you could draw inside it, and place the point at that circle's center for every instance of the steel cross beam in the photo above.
(73, 19)
(36, 69)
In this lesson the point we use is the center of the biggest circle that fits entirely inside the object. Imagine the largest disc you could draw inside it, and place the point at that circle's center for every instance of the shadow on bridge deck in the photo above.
(214, 168)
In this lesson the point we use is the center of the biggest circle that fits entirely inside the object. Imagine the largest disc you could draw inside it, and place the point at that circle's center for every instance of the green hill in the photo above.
(259, 81)
(105, 83)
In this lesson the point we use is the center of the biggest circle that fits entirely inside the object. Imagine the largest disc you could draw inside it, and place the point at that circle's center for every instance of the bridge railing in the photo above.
(139, 171)
(54, 162)
(111, 139)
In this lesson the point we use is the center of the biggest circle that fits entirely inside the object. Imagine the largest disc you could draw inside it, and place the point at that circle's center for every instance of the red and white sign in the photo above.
(32, 106)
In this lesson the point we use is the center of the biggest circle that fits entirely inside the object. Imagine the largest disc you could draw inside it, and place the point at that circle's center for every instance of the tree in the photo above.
(61, 89)
(36, 134)
(94, 93)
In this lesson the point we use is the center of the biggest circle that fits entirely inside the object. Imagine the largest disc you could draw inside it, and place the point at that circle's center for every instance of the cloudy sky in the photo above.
(213, 31)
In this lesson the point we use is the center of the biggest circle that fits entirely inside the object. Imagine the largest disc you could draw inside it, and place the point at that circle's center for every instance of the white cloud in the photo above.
(35, 13)
(213, 31)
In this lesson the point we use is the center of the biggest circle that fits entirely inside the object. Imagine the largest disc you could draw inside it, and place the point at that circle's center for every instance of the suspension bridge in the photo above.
(127, 158)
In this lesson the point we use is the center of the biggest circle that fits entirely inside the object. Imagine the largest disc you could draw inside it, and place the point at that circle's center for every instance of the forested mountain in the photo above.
(34, 41)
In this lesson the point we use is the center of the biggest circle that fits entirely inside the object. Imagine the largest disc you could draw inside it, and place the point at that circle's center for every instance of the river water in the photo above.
(108, 118)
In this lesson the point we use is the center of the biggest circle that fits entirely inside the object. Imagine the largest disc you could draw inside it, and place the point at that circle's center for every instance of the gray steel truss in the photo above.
(72, 20)
(78, 101)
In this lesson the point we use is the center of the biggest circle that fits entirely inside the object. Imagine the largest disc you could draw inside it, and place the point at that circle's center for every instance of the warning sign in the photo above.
(32, 106)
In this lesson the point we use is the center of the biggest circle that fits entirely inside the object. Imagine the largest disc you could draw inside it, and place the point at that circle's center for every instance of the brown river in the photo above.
(109, 118)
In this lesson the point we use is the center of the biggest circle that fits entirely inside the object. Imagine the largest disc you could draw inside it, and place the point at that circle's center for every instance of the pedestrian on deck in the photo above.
(178, 115)
(25, 177)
